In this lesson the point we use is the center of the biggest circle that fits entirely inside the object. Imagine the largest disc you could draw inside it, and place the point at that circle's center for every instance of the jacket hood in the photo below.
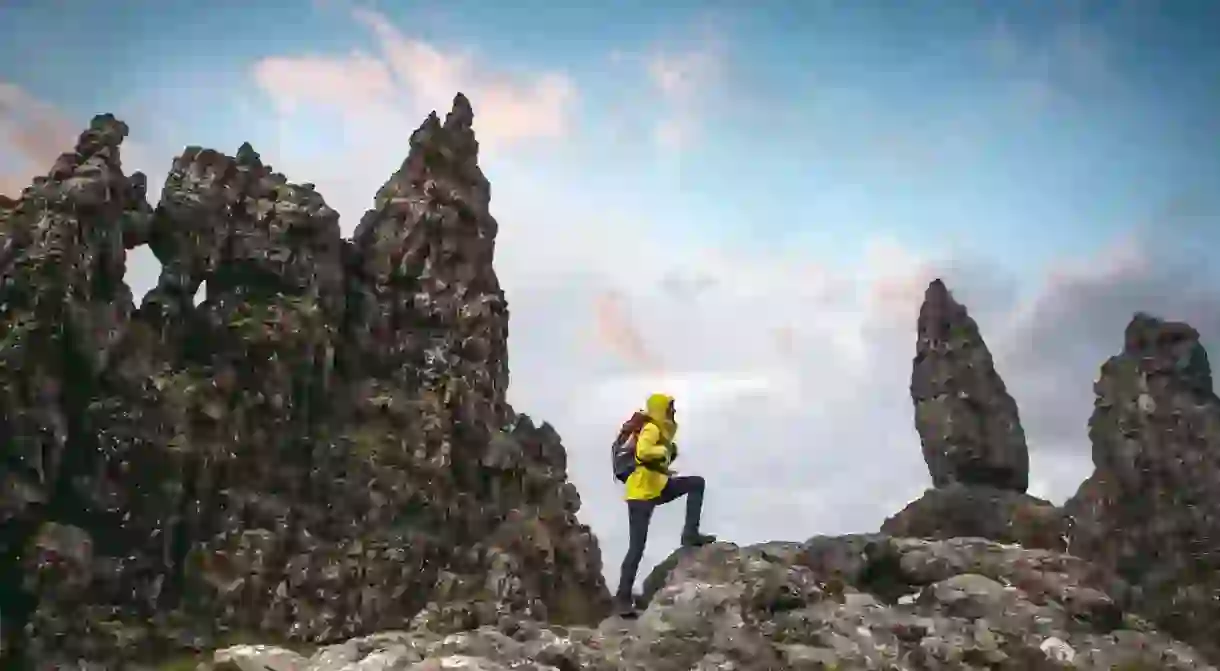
(657, 407)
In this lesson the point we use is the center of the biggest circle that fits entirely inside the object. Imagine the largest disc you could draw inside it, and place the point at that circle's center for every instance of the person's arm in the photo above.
(649, 450)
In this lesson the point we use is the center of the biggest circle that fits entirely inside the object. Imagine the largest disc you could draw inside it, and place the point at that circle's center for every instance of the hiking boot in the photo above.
(625, 608)
(694, 540)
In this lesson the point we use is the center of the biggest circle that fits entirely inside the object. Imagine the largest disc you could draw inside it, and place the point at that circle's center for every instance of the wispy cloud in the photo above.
(683, 80)
(1070, 61)
(35, 133)
(406, 77)
(616, 331)
(351, 83)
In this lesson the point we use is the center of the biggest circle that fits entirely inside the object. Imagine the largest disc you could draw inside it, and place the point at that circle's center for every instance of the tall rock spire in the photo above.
(972, 439)
(967, 421)
(63, 308)
(427, 294)
(1150, 512)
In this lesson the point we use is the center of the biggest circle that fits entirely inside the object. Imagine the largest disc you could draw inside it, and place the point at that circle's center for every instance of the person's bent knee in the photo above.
(696, 482)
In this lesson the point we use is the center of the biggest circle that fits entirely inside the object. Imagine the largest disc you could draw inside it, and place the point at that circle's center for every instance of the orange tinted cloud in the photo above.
(684, 80)
(896, 280)
(11, 184)
(35, 133)
(785, 340)
(617, 332)
(407, 75)
(354, 80)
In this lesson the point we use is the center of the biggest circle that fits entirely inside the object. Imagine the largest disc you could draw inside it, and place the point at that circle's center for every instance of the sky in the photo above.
(738, 206)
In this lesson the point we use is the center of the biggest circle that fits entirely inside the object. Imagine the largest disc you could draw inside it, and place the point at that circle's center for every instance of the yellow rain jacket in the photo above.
(653, 445)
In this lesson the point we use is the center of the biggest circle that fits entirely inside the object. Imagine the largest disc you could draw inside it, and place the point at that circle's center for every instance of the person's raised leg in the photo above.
(690, 486)
(639, 514)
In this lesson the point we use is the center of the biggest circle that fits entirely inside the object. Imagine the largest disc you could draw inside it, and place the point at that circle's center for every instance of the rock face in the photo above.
(984, 512)
(63, 306)
(319, 449)
(972, 440)
(855, 602)
(966, 419)
(1151, 510)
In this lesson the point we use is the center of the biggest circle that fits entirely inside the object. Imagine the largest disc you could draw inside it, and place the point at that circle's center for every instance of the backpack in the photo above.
(622, 452)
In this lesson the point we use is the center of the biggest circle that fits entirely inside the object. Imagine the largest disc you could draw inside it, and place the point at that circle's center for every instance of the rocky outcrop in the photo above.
(1150, 512)
(319, 449)
(855, 602)
(63, 305)
(972, 440)
(984, 512)
(427, 307)
(966, 419)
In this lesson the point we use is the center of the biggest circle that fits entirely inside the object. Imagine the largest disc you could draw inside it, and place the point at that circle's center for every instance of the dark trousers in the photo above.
(639, 515)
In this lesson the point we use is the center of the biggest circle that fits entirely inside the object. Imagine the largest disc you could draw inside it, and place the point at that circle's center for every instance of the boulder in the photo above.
(985, 512)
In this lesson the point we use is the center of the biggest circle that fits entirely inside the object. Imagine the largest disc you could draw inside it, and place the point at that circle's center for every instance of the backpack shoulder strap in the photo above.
(632, 427)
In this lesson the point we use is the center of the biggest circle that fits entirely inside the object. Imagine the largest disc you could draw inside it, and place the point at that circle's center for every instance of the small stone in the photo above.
(1057, 650)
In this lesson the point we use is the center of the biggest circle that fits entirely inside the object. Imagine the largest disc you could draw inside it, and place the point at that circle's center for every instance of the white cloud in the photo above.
(406, 78)
(357, 80)
(683, 81)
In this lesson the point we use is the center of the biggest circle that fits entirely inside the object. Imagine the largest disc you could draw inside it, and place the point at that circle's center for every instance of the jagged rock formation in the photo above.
(1150, 512)
(966, 419)
(972, 440)
(320, 449)
(854, 602)
(63, 305)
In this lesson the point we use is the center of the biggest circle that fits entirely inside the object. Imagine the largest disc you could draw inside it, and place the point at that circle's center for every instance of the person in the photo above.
(654, 483)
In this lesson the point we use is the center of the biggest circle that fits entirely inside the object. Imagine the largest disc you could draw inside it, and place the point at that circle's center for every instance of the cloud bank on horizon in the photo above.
(748, 228)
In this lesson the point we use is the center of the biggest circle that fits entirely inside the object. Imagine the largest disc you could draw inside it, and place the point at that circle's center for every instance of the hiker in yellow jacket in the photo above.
(651, 484)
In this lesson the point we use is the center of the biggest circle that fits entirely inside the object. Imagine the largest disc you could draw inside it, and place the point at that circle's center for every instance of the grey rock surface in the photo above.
(972, 439)
(855, 602)
(967, 421)
(985, 512)
(1150, 512)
